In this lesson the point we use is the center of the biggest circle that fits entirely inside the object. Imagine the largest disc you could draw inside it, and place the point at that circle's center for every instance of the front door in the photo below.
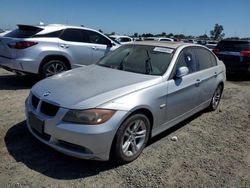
(183, 93)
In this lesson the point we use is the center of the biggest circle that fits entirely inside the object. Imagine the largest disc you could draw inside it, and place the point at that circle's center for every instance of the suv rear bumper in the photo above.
(19, 65)
(238, 68)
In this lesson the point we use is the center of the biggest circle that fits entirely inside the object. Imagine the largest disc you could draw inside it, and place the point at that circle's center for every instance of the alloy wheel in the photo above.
(133, 138)
(54, 67)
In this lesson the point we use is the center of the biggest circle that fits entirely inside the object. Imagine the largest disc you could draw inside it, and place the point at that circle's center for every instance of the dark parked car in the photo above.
(235, 54)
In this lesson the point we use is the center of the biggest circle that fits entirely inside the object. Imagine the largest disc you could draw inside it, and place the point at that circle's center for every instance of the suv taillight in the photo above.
(245, 53)
(215, 50)
(22, 44)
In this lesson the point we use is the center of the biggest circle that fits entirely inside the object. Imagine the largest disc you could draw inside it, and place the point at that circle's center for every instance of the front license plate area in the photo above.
(36, 123)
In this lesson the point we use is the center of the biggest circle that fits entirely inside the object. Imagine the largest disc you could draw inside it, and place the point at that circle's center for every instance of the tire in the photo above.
(53, 67)
(216, 98)
(131, 138)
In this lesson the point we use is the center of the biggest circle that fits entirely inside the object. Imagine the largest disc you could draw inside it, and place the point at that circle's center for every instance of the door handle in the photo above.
(198, 81)
(94, 48)
(64, 45)
(215, 74)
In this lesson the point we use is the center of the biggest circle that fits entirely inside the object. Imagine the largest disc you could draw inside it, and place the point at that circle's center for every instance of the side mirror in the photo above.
(182, 71)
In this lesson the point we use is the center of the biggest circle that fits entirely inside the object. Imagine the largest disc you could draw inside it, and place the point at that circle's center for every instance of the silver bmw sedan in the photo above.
(111, 109)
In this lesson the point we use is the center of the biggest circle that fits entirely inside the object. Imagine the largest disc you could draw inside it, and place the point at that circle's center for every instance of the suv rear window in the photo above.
(233, 45)
(24, 32)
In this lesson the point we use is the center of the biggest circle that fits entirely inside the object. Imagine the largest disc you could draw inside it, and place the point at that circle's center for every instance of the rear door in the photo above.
(208, 71)
(75, 43)
(183, 93)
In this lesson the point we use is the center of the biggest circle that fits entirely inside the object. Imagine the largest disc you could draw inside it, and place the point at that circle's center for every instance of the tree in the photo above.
(170, 35)
(217, 34)
(112, 33)
(135, 34)
(203, 36)
(100, 31)
(163, 34)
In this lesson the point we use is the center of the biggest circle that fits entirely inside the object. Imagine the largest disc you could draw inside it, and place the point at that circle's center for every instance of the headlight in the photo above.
(91, 117)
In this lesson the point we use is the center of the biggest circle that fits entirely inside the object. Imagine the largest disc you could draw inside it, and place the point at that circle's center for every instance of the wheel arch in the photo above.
(142, 110)
(54, 57)
(222, 84)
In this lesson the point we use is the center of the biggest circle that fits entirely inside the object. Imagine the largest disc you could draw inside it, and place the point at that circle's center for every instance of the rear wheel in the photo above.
(53, 67)
(216, 98)
(131, 138)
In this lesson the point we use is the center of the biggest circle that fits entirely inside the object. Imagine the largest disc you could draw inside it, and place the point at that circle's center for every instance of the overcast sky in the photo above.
(190, 17)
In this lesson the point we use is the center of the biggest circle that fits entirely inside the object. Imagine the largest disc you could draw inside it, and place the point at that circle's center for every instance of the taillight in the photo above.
(245, 53)
(22, 44)
(215, 50)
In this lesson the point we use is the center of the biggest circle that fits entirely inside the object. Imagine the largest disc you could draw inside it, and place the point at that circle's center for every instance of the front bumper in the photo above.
(81, 141)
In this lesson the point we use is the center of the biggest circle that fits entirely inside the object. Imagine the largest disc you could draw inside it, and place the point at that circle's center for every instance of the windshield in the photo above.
(141, 59)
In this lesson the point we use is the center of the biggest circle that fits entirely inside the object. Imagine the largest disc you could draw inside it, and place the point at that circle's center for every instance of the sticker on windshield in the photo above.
(164, 50)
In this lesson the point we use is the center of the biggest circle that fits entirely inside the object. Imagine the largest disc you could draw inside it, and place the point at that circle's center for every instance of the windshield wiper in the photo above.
(148, 64)
(122, 62)
(105, 65)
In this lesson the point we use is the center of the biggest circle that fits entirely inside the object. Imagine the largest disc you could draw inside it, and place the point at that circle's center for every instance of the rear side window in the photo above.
(50, 35)
(204, 58)
(24, 32)
(74, 35)
(233, 46)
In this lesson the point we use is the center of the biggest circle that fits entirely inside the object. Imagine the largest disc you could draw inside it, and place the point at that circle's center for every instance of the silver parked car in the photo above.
(51, 49)
(111, 109)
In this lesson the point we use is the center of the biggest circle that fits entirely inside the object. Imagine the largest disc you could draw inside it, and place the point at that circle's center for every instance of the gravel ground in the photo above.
(212, 150)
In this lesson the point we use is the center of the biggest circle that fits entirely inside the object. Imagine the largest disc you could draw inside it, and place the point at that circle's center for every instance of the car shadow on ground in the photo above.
(16, 82)
(39, 157)
(176, 127)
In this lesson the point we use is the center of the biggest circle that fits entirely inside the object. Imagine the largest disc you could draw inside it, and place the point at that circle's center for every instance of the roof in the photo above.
(54, 27)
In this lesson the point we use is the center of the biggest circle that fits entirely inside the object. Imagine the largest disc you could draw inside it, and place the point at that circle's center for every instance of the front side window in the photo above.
(141, 59)
(96, 38)
(187, 59)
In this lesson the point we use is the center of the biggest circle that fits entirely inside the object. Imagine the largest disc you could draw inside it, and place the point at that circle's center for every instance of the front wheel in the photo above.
(53, 67)
(131, 138)
(216, 98)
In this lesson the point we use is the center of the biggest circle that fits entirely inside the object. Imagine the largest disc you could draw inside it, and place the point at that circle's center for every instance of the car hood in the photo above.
(90, 86)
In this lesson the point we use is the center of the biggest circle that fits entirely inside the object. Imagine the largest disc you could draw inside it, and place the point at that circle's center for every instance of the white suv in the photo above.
(48, 50)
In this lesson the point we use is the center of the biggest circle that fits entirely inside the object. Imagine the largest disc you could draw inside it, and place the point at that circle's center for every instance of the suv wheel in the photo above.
(131, 138)
(53, 67)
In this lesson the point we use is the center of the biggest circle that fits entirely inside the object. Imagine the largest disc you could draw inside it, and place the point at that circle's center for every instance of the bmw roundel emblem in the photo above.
(46, 94)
